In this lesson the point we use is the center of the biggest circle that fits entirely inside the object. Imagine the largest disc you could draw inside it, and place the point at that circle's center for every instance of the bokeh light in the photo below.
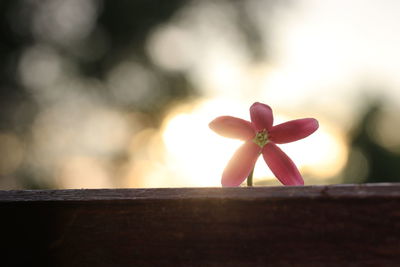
(13, 148)
(119, 94)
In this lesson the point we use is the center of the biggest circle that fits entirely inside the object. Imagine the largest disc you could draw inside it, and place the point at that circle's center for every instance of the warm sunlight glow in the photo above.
(199, 155)
(321, 155)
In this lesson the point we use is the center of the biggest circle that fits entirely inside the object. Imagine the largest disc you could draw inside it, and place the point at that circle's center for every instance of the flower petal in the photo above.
(281, 165)
(261, 116)
(292, 130)
(241, 164)
(233, 127)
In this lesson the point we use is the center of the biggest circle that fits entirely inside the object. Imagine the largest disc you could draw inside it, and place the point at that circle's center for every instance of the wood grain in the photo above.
(347, 225)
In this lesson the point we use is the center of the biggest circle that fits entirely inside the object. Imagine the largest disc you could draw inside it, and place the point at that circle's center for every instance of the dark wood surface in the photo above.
(345, 225)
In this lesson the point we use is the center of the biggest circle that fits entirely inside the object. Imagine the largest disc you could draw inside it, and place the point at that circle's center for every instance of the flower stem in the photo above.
(250, 178)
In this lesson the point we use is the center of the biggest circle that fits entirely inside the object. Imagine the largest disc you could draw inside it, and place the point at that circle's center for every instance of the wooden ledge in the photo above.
(385, 190)
(348, 225)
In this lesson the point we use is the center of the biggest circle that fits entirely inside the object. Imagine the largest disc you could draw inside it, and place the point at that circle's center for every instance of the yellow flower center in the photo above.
(261, 138)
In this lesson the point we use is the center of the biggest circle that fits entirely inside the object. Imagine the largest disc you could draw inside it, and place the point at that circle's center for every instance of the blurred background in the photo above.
(104, 94)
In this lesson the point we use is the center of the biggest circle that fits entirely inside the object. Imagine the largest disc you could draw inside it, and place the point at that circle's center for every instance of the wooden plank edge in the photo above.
(381, 190)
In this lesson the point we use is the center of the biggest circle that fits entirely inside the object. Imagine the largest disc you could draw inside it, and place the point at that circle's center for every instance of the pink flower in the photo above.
(261, 138)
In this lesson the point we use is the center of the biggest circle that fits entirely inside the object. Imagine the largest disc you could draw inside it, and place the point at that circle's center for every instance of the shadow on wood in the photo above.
(262, 226)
